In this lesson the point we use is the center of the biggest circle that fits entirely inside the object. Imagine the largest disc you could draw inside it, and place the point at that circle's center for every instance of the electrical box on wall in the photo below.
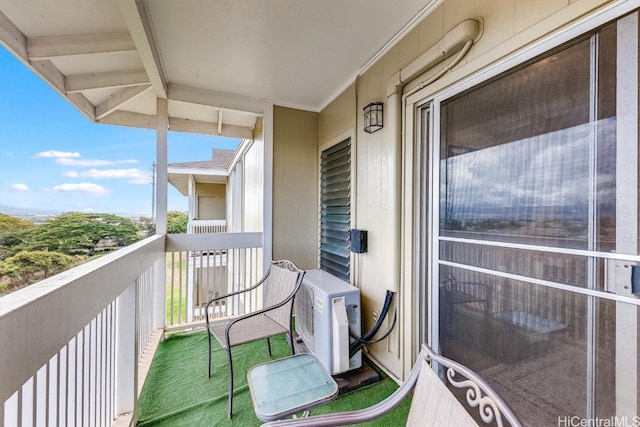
(358, 241)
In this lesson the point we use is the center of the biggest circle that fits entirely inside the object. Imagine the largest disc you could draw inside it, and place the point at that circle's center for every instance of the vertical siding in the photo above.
(295, 186)
(338, 117)
(254, 184)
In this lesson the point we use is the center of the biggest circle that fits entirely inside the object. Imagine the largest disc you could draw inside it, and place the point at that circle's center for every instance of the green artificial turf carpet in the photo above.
(179, 393)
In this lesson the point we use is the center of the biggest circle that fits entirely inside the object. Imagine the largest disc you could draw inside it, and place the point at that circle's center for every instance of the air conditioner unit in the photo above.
(326, 309)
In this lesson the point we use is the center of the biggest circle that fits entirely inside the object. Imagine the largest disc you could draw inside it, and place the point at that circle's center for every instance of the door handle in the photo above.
(635, 280)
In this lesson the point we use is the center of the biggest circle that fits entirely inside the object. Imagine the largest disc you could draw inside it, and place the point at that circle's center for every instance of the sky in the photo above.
(55, 159)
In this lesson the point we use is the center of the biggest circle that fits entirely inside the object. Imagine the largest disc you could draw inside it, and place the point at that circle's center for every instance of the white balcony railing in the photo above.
(205, 226)
(73, 345)
(200, 267)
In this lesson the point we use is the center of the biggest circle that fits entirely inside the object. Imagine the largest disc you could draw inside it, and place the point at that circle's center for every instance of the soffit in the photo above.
(217, 61)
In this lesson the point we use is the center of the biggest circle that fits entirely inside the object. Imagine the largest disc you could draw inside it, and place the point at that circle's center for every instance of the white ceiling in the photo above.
(216, 61)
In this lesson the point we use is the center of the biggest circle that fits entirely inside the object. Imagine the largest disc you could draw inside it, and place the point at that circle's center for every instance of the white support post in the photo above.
(192, 198)
(162, 165)
(160, 270)
(267, 215)
(237, 199)
(126, 371)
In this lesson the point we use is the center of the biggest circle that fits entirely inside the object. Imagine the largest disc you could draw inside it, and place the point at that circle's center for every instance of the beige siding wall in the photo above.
(253, 183)
(509, 25)
(295, 186)
(212, 190)
(211, 201)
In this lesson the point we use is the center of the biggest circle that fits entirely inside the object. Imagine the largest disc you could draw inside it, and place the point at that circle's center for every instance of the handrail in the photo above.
(203, 242)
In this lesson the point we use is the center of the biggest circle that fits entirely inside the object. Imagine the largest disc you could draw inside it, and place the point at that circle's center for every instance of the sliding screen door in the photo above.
(536, 228)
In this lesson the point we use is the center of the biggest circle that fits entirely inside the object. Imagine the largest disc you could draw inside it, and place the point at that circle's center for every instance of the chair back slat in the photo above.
(434, 405)
(281, 283)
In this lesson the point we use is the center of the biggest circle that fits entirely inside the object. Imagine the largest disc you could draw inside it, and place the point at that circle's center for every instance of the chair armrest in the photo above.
(479, 394)
(361, 415)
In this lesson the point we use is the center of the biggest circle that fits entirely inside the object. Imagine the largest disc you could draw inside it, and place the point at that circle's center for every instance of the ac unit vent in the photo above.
(304, 314)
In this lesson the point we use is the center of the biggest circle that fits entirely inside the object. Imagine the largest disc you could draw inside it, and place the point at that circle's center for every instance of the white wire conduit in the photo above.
(458, 40)
(462, 35)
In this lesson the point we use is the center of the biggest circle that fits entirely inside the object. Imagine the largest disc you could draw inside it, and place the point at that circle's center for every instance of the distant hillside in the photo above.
(40, 215)
(34, 215)
(15, 211)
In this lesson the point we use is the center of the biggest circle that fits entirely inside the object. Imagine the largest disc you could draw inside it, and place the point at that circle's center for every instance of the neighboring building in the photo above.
(205, 185)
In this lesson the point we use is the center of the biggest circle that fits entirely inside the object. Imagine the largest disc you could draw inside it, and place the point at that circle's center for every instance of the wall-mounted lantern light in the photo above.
(373, 117)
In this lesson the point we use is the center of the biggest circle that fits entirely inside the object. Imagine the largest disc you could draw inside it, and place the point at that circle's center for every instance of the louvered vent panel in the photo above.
(335, 213)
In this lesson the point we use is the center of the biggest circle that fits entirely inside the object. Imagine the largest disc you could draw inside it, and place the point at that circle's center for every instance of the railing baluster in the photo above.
(180, 287)
(171, 295)
(34, 397)
(19, 407)
(57, 390)
(79, 379)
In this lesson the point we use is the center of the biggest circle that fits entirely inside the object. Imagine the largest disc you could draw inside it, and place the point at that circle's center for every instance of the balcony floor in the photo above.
(178, 393)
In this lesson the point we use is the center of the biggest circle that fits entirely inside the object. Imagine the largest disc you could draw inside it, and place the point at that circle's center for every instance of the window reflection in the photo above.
(538, 187)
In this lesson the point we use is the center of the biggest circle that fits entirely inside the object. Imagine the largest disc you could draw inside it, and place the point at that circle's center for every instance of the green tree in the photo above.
(12, 231)
(29, 266)
(177, 222)
(147, 225)
(74, 232)
(13, 223)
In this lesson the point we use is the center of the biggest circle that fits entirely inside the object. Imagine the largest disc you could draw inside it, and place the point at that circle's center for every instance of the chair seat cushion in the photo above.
(249, 329)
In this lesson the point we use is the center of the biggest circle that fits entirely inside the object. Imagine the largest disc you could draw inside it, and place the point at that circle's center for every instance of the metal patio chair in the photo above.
(279, 286)
(433, 403)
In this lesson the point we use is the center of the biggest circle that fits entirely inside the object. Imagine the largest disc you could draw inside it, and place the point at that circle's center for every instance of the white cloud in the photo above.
(72, 158)
(133, 175)
(53, 154)
(85, 187)
(19, 187)
(67, 161)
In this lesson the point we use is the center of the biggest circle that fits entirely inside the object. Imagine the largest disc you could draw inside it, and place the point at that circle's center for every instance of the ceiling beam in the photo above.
(116, 100)
(219, 100)
(40, 48)
(125, 118)
(16, 42)
(137, 19)
(12, 38)
(79, 82)
(208, 128)
(55, 79)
